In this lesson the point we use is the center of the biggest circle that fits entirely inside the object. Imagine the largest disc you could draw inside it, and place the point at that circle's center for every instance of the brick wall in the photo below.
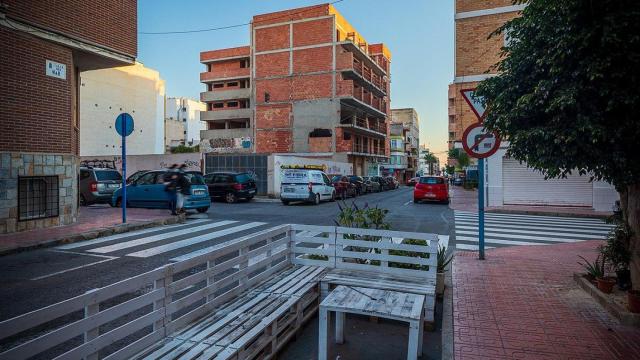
(35, 108)
(289, 15)
(273, 116)
(473, 5)
(272, 141)
(320, 144)
(342, 145)
(225, 53)
(313, 32)
(475, 53)
(312, 87)
(112, 23)
(312, 60)
(272, 64)
(272, 38)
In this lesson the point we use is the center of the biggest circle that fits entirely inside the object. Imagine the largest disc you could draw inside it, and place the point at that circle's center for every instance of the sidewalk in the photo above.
(467, 200)
(93, 221)
(522, 303)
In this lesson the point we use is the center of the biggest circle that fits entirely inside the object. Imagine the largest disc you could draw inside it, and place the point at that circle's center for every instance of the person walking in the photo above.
(182, 188)
(171, 187)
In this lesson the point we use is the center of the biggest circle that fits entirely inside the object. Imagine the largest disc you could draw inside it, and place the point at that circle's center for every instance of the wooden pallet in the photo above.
(255, 325)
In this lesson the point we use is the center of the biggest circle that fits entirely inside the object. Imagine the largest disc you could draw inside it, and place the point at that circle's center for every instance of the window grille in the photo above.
(38, 197)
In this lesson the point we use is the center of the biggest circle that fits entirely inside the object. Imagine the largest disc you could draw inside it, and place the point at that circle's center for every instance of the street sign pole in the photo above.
(481, 208)
(124, 169)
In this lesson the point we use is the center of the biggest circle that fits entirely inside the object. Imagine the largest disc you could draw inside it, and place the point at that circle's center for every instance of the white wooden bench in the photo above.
(240, 299)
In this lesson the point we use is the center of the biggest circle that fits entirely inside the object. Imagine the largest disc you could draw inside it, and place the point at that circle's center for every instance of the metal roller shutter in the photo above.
(525, 186)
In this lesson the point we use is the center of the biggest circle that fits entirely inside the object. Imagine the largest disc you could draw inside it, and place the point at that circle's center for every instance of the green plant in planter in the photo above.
(616, 249)
(364, 218)
(443, 259)
(410, 254)
(594, 269)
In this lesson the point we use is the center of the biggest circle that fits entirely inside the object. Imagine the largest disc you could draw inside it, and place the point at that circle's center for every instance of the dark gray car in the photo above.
(98, 184)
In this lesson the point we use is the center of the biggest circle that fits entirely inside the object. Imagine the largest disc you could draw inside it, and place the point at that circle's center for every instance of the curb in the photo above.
(447, 315)
(265, 200)
(547, 213)
(96, 233)
(623, 315)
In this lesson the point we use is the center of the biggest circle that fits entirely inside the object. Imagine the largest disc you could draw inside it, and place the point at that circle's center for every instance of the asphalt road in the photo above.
(37, 278)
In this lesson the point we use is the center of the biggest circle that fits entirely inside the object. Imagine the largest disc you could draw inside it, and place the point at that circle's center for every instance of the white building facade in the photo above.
(508, 182)
(185, 112)
(104, 94)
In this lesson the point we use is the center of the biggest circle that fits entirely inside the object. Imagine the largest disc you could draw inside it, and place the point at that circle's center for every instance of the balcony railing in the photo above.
(366, 124)
(362, 149)
(217, 74)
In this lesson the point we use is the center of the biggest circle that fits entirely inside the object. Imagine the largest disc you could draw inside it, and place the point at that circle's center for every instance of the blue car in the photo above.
(148, 191)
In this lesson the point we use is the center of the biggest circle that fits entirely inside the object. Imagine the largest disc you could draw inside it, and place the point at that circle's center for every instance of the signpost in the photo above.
(124, 127)
(479, 143)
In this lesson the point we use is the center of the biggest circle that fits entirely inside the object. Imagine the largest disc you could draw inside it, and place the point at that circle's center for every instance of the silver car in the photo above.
(98, 184)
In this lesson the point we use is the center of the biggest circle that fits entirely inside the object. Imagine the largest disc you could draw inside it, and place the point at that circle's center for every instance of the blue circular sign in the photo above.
(124, 124)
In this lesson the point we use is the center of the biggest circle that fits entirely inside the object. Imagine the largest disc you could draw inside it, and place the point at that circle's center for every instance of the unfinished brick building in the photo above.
(308, 83)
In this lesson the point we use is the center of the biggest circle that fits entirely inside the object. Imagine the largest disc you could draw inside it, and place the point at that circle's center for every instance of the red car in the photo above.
(432, 188)
(344, 187)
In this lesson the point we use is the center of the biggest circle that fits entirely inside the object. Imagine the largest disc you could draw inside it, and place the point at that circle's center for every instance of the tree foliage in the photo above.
(566, 95)
(461, 157)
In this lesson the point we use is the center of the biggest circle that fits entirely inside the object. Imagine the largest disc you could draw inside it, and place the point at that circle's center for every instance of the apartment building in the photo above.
(44, 48)
(508, 182)
(410, 122)
(106, 93)
(182, 122)
(308, 83)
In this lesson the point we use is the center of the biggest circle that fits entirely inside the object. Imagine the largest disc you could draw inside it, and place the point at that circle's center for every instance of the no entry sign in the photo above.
(480, 143)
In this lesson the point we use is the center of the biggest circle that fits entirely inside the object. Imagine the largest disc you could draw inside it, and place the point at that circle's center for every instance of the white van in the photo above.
(305, 185)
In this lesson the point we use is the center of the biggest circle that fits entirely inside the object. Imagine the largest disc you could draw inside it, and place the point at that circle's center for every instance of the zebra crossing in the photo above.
(514, 229)
(171, 240)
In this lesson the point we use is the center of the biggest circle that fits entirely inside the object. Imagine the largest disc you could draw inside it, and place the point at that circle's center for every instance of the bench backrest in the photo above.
(390, 252)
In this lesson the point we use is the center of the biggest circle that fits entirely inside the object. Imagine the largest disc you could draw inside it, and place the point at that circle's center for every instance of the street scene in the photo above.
(300, 180)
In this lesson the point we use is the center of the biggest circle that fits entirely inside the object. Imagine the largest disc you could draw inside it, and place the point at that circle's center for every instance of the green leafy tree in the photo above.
(461, 157)
(430, 159)
(566, 95)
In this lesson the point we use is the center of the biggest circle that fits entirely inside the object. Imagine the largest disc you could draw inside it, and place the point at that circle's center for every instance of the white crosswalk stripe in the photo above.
(509, 230)
(165, 239)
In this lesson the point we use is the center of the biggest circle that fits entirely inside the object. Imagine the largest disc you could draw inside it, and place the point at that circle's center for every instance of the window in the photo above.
(231, 84)
(102, 175)
(147, 179)
(185, 132)
(452, 118)
(85, 174)
(37, 197)
(431, 180)
(244, 63)
(218, 105)
(232, 104)
(218, 85)
(243, 178)
(346, 136)
(194, 178)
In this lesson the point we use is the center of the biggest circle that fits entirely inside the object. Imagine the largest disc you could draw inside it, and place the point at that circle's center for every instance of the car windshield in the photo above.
(242, 178)
(431, 180)
(102, 175)
(336, 178)
(195, 178)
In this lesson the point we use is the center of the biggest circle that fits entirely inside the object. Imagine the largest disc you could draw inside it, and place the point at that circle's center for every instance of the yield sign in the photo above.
(475, 104)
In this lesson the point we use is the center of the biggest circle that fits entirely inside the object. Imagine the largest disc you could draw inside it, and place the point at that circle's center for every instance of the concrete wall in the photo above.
(276, 161)
(312, 114)
(152, 162)
(106, 93)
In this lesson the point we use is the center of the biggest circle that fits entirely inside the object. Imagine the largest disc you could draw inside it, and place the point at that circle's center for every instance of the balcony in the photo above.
(226, 114)
(362, 150)
(354, 70)
(223, 74)
(225, 95)
(361, 55)
(363, 126)
(362, 99)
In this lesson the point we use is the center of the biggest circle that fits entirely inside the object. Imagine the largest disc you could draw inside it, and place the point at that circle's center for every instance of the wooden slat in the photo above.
(137, 346)
(389, 258)
(387, 270)
(312, 251)
(389, 246)
(314, 228)
(310, 262)
(37, 317)
(388, 233)
(77, 328)
(313, 240)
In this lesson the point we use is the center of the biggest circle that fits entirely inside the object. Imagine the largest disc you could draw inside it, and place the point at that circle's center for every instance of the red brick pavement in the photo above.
(522, 303)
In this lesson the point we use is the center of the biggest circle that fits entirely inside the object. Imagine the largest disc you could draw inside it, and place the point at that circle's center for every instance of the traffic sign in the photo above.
(124, 124)
(474, 102)
(480, 143)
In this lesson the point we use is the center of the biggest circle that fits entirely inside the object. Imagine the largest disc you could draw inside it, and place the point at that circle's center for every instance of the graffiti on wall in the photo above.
(226, 145)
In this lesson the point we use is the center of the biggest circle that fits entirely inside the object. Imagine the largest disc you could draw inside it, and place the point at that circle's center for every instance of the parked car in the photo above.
(133, 177)
(148, 191)
(372, 185)
(359, 183)
(98, 184)
(458, 181)
(393, 183)
(344, 188)
(431, 188)
(230, 186)
(413, 181)
(305, 185)
(384, 184)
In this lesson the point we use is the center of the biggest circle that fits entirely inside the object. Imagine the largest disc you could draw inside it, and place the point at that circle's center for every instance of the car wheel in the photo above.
(83, 201)
(230, 198)
(119, 202)
(285, 202)
(415, 201)
(316, 200)
(333, 196)
(203, 210)
(249, 198)
(355, 193)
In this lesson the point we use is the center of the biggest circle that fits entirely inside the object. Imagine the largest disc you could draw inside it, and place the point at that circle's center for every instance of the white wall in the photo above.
(191, 113)
(104, 94)
(152, 162)
(604, 194)
(276, 161)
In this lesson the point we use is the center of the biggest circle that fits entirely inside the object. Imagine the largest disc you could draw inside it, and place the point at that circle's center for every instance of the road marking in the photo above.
(602, 226)
(122, 235)
(498, 241)
(82, 253)
(158, 237)
(192, 241)
(407, 203)
(523, 237)
(568, 233)
(73, 269)
(534, 217)
(471, 247)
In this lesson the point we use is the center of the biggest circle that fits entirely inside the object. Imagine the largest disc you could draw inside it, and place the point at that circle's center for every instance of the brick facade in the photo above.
(39, 131)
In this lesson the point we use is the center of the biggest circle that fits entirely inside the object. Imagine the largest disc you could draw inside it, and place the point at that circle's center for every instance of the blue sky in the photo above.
(419, 34)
